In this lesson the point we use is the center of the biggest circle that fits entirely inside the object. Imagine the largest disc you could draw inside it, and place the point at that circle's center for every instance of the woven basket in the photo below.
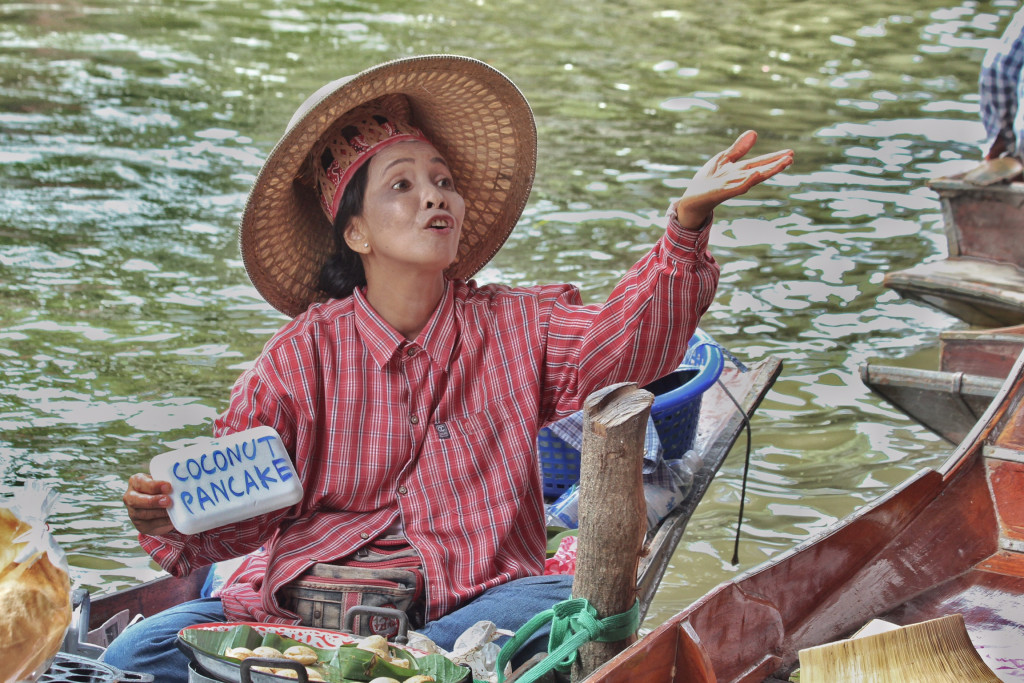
(676, 411)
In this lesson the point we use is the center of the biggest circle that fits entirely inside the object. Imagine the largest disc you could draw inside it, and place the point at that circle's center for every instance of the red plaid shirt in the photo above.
(440, 431)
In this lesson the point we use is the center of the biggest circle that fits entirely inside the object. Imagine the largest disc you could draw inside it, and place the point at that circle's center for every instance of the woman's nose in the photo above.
(435, 199)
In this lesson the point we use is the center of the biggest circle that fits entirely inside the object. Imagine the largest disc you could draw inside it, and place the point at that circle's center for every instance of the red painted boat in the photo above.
(949, 540)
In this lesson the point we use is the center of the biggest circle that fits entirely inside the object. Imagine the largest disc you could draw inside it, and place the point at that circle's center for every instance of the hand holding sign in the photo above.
(147, 501)
(213, 483)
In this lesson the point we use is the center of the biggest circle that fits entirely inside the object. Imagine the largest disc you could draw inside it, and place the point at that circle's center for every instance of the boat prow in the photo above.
(948, 540)
(973, 364)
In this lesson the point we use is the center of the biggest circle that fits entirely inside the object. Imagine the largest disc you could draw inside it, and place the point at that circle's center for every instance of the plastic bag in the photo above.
(476, 648)
(565, 512)
(35, 591)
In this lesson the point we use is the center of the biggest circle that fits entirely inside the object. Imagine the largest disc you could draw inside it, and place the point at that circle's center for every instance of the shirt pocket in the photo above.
(488, 453)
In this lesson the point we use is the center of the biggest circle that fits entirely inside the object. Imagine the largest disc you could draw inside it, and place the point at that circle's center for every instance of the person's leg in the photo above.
(150, 646)
(509, 606)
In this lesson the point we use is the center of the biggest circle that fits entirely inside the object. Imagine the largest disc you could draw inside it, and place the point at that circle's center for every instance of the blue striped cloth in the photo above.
(1000, 89)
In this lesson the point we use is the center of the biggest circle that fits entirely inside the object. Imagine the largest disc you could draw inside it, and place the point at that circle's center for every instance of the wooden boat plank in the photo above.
(907, 564)
(989, 602)
(1006, 564)
(659, 662)
(1007, 482)
(748, 619)
(986, 226)
(826, 589)
(986, 357)
(982, 226)
(980, 292)
(147, 598)
(981, 596)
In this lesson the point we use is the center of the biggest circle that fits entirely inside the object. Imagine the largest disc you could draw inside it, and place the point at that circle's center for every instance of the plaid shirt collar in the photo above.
(382, 341)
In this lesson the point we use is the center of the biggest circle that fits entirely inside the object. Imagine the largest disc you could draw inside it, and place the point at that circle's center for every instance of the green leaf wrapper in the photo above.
(345, 664)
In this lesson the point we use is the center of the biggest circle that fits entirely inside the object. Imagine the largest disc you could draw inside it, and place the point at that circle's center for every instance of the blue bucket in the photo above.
(676, 411)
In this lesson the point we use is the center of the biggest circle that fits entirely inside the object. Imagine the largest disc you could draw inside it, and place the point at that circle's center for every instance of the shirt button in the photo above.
(364, 535)
(403, 490)
(411, 352)
(415, 420)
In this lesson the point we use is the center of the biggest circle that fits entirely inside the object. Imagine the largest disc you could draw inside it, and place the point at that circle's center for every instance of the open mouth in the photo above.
(441, 223)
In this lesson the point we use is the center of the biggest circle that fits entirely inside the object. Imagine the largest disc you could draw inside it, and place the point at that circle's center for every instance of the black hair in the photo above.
(343, 271)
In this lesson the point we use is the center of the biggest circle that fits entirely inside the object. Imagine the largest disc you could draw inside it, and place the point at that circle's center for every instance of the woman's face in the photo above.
(412, 214)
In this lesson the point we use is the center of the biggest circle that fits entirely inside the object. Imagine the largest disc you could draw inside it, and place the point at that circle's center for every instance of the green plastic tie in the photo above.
(573, 623)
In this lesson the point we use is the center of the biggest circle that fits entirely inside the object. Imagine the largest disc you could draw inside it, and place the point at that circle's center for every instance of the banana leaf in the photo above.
(352, 664)
(443, 669)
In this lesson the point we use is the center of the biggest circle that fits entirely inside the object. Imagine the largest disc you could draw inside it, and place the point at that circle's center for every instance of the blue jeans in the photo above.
(150, 645)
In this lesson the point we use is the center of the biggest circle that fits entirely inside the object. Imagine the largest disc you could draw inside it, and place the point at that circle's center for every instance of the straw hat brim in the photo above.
(475, 116)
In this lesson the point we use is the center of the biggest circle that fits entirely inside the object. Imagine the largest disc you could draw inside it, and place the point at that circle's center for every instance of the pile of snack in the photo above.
(308, 657)
(274, 651)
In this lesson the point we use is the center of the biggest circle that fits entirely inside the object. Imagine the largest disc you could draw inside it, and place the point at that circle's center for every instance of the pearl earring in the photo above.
(366, 245)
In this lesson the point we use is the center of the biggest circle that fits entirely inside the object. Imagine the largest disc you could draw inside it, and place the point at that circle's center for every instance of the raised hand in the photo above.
(727, 175)
(147, 501)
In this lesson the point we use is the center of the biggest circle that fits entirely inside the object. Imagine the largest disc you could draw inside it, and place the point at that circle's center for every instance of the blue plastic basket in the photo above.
(676, 410)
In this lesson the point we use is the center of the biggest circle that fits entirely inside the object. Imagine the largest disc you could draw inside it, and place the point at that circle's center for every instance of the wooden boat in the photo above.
(949, 540)
(720, 424)
(947, 403)
(972, 367)
(981, 281)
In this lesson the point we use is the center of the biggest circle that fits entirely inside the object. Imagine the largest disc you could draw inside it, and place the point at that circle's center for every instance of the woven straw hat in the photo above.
(475, 117)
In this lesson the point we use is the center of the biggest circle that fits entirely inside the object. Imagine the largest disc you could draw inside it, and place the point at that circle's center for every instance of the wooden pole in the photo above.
(612, 510)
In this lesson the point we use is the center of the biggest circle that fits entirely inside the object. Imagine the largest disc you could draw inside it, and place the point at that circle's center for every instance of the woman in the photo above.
(408, 396)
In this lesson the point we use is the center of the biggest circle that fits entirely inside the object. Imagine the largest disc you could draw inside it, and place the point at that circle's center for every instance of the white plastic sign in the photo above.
(225, 480)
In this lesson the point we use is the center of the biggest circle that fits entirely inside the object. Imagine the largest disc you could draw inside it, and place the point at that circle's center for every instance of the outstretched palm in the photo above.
(727, 175)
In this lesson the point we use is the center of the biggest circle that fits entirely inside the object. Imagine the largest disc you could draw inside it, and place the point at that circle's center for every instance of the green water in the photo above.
(130, 132)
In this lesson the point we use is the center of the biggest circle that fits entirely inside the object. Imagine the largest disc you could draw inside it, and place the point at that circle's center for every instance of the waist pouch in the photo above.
(386, 573)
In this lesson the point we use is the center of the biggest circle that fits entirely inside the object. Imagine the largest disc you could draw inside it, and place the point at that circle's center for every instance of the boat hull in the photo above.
(972, 366)
(990, 353)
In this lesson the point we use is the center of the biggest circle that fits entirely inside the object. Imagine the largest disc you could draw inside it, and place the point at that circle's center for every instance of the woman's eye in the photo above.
(446, 183)
(400, 185)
